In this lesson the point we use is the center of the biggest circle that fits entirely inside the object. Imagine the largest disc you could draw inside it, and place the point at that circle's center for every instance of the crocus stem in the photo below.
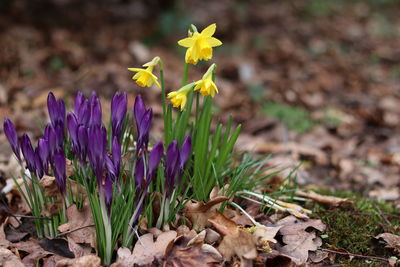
(128, 232)
(245, 213)
(107, 229)
(162, 209)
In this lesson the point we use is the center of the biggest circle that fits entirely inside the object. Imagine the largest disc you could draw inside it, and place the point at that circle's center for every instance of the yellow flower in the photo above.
(200, 45)
(206, 84)
(145, 77)
(179, 98)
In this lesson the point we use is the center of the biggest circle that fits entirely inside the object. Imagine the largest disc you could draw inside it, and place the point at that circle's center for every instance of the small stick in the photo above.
(353, 255)
(73, 230)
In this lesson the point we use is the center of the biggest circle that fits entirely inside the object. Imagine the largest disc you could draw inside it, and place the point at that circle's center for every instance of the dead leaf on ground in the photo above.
(9, 259)
(392, 241)
(34, 250)
(265, 235)
(85, 261)
(298, 241)
(236, 241)
(199, 212)
(146, 250)
(327, 200)
(79, 219)
(192, 256)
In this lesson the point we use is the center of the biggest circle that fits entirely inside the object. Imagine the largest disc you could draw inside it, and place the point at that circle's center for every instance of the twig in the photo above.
(73, 230)
(353, 255)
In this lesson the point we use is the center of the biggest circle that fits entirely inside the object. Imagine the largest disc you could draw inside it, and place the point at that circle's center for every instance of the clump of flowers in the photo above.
(122, 170)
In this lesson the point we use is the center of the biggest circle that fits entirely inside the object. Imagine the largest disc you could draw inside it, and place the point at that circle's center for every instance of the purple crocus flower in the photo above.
(38, 164)
(95, 110)
(82, 109)
(139, 175)
(28, 152)
(51, 137)
(107, 185)
(60, 169)
(56, 109)
(97, 145)
(44, 153)
(185, 153)
(72, 125)
(12, 137)
(118, 113)
(143, 120)
(171, 166)
(116, 155)
(82, 142)
(154, 159)
(143, 130)
(59, 130)
(78, 102)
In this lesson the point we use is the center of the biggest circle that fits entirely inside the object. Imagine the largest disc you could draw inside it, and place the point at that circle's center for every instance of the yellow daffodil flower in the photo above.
(145, 77)
(200, 45)
(206, 84)
(179, 98)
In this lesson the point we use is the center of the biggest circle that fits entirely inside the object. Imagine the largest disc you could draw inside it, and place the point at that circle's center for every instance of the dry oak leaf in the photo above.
(84, 261)
(327, 200)
(298, 241)
(34, 250)
(192, 256)
(9, 259)
(79, 219)
(199, 212)
(393, 241)
(236, 241)
(146, 250)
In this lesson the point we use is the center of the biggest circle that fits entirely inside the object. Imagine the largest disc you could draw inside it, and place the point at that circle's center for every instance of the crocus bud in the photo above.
(28, 152)
(118, 113)
(95, 110)
(116, 155)
(78, 102)
(185, 151)
(171, 166)
(154, 159)
(44, 153)
(56, 109)
(59, 130)
(144, 129)
(12, 137)
(139, 174)
(51, 137)
(139, 108)
(97, 145)
(83, 142)
(60, 170)
(108, 191)
(72, 125)
(38, 164)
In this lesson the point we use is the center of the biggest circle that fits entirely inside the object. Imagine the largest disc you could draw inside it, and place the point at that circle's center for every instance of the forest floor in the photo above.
(316, 83)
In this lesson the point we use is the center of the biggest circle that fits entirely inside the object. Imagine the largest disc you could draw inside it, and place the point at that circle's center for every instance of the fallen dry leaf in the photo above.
(236, 241)
(34, 250)
(327, 200)
(8, 259)
(298, 241)
(192, 256)
(199, 212)
(79, 219)
(265, 235)
(85, 261)
(392, 241)
(146, 250)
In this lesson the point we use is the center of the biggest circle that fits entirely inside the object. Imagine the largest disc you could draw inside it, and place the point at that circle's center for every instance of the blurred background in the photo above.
(315, 82)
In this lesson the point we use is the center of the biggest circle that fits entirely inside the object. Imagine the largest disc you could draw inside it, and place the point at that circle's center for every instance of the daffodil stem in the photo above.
(164, 101)
(185, 74)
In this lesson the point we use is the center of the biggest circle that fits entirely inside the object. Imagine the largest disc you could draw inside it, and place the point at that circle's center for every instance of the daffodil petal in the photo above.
(212, 41)
(187, 42)
(135, 69)
(209, 31)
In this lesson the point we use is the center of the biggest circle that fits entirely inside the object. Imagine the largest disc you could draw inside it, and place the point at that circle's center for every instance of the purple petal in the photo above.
(139, 108)
(185, 151)
(79, 100)
(139, 174)
(154, 159)
(83, 142)
(38, 164)
(95, 110)
(12, 137)
(51, 137)
(108, 191)
(44, 153)
(97, 145)
(118, 113)
(172, 165)
(116, 155)
(28, 152)
(60, 170)
(72, 125)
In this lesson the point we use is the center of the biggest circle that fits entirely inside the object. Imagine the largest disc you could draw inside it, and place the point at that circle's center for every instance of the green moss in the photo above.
(353, 228)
